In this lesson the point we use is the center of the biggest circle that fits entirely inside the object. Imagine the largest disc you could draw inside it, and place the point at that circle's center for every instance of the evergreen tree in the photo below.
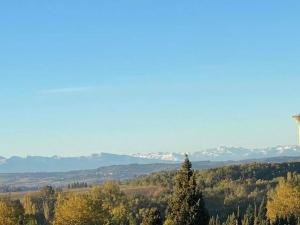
(21, 220)
(245, 220)
(231, 220)
(47, 195)
(218, 221)
(262, 213)
(186, 206)
(238, 217)
(214, 221)
(151, 217)
(250, 214)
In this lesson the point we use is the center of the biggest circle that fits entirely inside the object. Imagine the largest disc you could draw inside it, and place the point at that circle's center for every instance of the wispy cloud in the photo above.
(68, 90)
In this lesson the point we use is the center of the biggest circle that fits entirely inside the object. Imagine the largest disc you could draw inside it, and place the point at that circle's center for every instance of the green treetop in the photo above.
(186, 206)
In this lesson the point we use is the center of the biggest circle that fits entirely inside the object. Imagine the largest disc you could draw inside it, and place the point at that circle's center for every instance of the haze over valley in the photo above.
(17, 164)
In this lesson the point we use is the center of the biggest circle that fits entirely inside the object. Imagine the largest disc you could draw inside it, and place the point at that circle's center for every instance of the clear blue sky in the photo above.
(79, 77)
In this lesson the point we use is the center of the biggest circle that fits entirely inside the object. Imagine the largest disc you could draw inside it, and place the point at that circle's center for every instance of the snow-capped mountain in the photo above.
(224, 153)
(57, 163)
(161, 156)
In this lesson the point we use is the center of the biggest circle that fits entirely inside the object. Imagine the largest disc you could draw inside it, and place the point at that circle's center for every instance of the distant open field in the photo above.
(129, 190)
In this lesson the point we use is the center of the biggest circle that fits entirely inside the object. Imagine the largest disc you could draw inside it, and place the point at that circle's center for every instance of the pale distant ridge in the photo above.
(17, 164)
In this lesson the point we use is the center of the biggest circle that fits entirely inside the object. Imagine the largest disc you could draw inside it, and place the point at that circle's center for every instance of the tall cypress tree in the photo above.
(187, 206)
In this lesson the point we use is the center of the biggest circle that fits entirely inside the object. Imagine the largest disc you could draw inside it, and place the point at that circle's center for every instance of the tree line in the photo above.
(236, 195)
(77, 185)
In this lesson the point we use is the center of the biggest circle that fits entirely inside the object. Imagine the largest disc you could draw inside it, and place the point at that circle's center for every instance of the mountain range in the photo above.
(224, 153)
(17, 164)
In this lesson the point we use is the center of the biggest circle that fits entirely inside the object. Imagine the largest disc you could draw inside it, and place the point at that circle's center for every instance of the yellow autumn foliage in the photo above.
(8, 214)
(284, 200)
(78, 209)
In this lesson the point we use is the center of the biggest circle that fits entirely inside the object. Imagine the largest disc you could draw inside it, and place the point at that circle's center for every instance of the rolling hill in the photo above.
(33, 180)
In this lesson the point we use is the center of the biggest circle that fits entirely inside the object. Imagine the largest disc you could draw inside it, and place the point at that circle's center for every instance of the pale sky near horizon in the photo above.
(82, 77)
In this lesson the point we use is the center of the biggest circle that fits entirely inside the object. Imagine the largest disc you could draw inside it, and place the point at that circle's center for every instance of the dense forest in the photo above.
(252, 194)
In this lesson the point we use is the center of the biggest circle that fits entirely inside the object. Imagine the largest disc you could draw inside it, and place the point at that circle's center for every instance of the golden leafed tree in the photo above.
(284, 200)
(79, 209)
(8, 214)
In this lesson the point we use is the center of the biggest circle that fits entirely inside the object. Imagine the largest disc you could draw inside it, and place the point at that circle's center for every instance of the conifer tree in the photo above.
(212, 221)
(151, 217)
(187, 206)
(250, 214)
(238, 217)
(262, 212)
(218, 221)
(48, 200)
(231, 220)
(245, 220)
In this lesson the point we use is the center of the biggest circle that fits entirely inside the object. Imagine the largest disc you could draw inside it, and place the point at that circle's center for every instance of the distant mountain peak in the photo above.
(226, 153)
(57, 163)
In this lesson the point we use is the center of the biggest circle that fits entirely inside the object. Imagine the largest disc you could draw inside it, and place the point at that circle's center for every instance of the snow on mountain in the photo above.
(2, 160)
(57, 163)
(160, 156)
(224, 153)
